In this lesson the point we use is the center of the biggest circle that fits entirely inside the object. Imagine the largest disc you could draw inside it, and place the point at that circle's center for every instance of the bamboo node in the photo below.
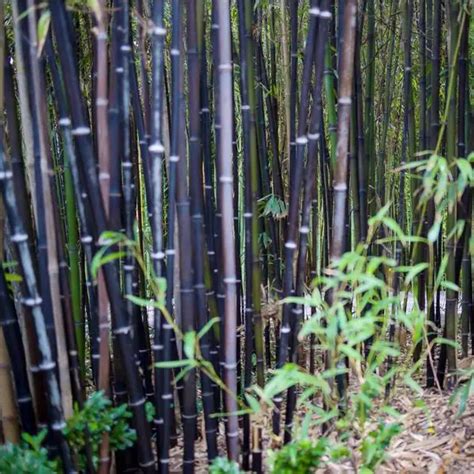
(189, 417)
(304, 229)
(314, 11)
(290, 245)
(314, 136)
(170, 252)
(230, 366)
(157, 255)
(174, 158)
(5, 175)
(123, 330)
(156, 147)
(24, 399)
(7, 322)
(64, 122)
(47, 366)
(347, 100)
(175, 52)
(19, 238)
(225, 67)
(230, 280)
(158, 31)
(226, 179)
(125, 48)
(58, 426)
(32, 301)
(81, 131)
(138, 402)
(325, 14)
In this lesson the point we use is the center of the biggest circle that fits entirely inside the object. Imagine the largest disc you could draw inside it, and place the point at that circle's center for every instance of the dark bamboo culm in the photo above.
(226, 204)
(346, 65)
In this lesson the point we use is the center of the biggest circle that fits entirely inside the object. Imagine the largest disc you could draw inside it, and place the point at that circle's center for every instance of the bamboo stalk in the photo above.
(225, 192)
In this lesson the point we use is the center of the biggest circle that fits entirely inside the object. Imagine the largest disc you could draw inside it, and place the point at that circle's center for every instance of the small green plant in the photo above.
(97, 417)
(27, 457)
(223, 465)
(464, 391)
(299, 457)
(375, 444)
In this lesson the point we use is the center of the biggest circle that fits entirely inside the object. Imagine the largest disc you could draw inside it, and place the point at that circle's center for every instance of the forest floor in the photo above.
(433, 440)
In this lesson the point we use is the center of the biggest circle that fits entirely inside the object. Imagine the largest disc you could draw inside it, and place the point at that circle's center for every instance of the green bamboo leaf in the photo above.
(350, 352)
(413, 384)
(95, 7)
(100, 259)
(144, 302)
(447, 342)
(465, 168)
(449, 285)
(433, 233)
(253, 403)
(43, 29)
(205, 329)
(189, 344)
(13, 277)
(174, 364)
(394, 227)
(414, 271)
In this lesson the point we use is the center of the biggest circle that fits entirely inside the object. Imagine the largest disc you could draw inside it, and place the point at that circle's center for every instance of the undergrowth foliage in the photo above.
(83, 429)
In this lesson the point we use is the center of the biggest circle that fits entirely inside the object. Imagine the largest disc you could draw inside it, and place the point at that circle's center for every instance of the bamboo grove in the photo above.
(175, 173)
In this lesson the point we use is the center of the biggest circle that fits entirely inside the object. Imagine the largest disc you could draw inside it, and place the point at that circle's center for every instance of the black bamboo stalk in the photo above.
(452, 10)
(185, 249)
(434, 125)
(293, 86)
(14, 343)
(225, 197)
(103, 153)
(163, 395)
(194, 23)
(338, 240)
